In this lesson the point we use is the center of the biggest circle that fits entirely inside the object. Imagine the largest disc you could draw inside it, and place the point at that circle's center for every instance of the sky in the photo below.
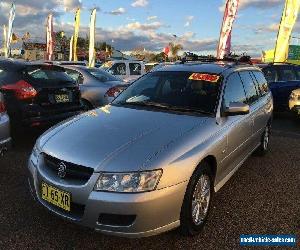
(151, 24)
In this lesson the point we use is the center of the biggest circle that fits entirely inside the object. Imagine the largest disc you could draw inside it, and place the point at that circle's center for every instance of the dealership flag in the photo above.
(225, 35)
(50, 40)
(76, 34)
(288, 20)
(9, 33)
(92, 39)
(71, 48)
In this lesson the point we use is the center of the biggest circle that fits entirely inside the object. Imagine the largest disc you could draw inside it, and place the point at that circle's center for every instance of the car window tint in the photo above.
(101, 75)
(234, 91)
(118, 69)
(173, 89)
(287, 75)
(270, 74)
(73, 74)
(261, 82)
(249, 86)
(41, 73)
(135, 69)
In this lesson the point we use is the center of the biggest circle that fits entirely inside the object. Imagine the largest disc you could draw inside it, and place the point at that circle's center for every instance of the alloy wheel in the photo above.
(201, 199)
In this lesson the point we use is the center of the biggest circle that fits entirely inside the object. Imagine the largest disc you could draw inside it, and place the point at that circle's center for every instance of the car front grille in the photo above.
(73, 171)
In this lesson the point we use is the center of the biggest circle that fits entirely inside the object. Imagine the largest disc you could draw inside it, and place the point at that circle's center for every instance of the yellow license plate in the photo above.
(62, 98)
(56, 196)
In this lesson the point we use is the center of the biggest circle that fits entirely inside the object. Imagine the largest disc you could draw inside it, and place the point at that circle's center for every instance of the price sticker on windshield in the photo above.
(204, 77)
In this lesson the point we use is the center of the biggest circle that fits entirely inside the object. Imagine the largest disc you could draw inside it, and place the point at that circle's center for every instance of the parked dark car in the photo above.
(97, 86)
(282, 78)
(38, 94)
(5, 139)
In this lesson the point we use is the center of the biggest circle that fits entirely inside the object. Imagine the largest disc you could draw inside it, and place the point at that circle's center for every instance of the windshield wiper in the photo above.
(189, 110)
(145, 104)
(165, 106)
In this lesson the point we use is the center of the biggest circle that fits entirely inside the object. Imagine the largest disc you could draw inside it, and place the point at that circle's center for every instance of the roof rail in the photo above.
(288, 63)
(243, 59)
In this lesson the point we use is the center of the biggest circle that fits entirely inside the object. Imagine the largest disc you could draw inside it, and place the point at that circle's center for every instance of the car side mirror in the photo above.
(237, 108)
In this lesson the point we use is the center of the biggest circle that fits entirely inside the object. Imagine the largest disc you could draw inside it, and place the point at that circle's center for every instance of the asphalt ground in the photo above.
(263, 197)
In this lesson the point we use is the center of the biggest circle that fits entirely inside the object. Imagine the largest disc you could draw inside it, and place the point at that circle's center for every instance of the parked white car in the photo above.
(294, 102)
(126, 70)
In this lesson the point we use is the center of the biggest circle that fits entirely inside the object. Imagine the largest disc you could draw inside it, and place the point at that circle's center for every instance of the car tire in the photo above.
(197, 202)
(265, 142)
(86, 105)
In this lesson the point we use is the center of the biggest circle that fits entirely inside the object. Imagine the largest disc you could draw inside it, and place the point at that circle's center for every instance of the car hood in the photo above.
(116, 138)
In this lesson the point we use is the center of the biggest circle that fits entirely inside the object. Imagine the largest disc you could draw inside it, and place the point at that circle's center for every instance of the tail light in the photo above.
(22, 89)
(2, 107)
(113, 92)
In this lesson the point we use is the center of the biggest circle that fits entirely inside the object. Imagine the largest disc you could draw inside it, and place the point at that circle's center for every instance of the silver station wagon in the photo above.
(151, 160)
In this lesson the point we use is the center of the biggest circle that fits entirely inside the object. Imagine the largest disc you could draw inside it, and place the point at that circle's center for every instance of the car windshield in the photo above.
(173, 91)
(102, 75)
(106, 66)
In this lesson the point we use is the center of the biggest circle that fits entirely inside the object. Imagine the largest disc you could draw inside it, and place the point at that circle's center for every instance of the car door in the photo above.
(238, 128)
(253, 100)
(264, 104)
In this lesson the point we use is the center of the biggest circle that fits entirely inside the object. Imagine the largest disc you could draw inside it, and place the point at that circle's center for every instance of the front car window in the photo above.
(179, 91)
(234, 91)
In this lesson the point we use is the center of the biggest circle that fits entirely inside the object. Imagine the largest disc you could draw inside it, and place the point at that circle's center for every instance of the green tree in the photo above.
(175, 48)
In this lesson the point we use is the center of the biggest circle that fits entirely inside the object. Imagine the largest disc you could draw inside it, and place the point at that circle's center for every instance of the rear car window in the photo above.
(249, 86)
(101, 75)
(47, 73)
(261, 82)
(73, 74)
(234, 91)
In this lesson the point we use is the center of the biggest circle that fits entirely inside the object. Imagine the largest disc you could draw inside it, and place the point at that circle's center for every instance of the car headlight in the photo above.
(35, 154)
(134, 182)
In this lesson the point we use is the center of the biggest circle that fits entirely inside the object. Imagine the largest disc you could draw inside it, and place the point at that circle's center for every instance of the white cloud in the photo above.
(119, 11)
(189, 20)
(150, 18)
(70, 5)
(143, 27)
(260, 4)
(140, 3)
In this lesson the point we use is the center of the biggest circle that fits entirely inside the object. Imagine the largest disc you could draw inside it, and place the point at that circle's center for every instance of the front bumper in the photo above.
(151, 213)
